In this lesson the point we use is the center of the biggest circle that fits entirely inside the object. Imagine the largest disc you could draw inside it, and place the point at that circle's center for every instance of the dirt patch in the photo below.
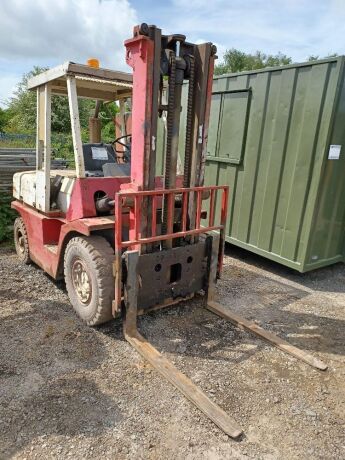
(70, 391)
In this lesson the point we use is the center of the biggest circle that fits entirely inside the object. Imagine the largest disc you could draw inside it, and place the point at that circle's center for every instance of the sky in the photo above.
(50, 32)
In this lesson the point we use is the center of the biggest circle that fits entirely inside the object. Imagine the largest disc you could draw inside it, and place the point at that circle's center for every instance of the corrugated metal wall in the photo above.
(269, 136)
(327, 236)
(14, 160)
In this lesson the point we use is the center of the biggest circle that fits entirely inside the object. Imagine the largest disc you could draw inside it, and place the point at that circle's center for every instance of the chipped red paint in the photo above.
(140, 56)
(47, 232)
(48, 236)
(83, 194)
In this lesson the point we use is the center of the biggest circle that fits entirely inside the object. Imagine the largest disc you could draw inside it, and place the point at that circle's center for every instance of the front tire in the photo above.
(89, 280)
(21, 241)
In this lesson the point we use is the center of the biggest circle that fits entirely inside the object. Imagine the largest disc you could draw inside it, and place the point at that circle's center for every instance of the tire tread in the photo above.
(102, 256)
(19, 223)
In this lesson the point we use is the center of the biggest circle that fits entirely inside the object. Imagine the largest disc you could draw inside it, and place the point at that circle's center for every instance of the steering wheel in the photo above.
(125, 153)
(118, 141)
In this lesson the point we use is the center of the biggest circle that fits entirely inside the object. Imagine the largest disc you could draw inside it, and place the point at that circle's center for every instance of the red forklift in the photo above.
(125, 239)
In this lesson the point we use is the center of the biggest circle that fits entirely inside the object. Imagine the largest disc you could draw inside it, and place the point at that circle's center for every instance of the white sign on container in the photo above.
(334, 152)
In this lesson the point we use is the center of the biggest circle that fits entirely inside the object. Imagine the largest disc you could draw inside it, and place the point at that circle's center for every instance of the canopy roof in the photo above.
(92, 83)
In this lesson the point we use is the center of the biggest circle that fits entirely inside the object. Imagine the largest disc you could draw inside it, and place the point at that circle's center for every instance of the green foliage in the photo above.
(20, 117)
(7, 216)
(313, 57)
(22, 109)
(316, 57)
(15, 141)
(238, 61)
(4, 118)
(108, 132)
(107, 115)
(22, 105)
(62, 145)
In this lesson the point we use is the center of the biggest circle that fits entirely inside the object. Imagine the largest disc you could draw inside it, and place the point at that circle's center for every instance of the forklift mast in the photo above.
(154, 59)
(165, 216)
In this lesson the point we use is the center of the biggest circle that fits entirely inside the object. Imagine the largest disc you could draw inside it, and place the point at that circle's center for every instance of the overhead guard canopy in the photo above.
(91, 83)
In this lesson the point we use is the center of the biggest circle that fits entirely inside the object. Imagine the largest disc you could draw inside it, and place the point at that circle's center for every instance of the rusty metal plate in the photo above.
(173, 273)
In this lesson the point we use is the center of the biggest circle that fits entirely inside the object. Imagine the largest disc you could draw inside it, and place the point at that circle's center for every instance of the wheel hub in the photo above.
(21, 242)
(81, 281)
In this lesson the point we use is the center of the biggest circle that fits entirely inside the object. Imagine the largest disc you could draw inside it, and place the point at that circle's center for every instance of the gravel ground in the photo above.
(68, 391)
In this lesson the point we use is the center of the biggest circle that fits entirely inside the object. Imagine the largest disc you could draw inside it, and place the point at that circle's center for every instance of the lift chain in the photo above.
(170, 126)
(189, 121)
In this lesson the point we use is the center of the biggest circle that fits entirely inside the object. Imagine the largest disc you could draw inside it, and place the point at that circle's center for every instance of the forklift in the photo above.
(126, 240)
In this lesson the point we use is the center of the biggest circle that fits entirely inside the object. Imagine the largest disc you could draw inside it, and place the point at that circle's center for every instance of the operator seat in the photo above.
(99, 160)
(95, 156)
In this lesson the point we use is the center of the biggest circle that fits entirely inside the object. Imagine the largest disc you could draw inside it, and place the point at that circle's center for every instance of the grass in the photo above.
(7, 216)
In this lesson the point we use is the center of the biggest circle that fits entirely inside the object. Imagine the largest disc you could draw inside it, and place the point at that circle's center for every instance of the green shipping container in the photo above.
(277, 138)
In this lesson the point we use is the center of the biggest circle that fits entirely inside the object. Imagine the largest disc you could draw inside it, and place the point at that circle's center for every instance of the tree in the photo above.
(22, 107)
(238, 61)
(315, 57)
(107, 114)
(4, 117)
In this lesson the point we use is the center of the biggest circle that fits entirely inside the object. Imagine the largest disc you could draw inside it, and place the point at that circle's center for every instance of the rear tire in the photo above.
(88, 264)
(21, 241)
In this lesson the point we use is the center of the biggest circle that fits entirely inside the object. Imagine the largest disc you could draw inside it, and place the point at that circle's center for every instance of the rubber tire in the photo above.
(98, 256)
(19, 227)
